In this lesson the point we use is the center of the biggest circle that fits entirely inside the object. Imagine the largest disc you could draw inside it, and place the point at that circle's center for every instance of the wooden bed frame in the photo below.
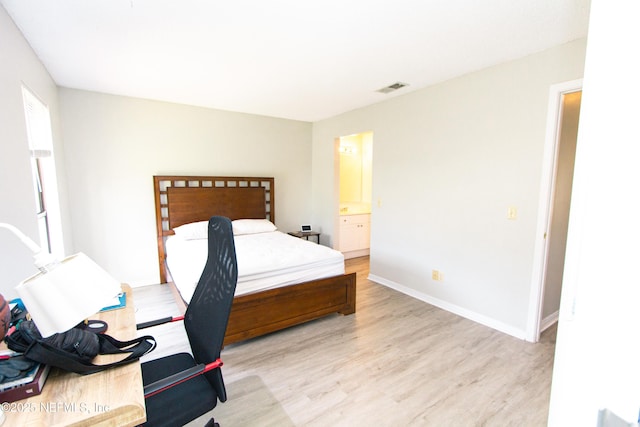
(184, 199)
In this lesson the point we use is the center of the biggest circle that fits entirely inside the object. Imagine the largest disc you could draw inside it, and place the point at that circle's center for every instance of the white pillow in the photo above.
(252, 226)
(193, 230)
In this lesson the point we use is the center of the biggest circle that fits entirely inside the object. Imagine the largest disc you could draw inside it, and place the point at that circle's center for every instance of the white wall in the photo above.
(114, 145)
(598, 345)
(448, 161)
(17, 203)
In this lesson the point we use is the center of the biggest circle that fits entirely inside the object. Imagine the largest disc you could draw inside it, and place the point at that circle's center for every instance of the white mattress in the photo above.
(265, 261)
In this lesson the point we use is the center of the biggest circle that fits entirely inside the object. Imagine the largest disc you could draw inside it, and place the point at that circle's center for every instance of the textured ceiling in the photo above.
(293, 59)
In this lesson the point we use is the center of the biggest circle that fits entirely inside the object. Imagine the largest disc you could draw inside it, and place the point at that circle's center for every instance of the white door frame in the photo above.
(545, 204)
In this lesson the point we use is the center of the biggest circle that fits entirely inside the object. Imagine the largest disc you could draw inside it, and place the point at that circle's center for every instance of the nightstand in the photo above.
(306, 235)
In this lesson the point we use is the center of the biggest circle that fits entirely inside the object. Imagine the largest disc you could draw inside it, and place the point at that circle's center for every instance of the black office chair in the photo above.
(180, 388)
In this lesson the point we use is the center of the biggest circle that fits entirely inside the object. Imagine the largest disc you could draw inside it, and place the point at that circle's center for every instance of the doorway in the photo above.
(354, 157)
(559, 224)
(555, 203)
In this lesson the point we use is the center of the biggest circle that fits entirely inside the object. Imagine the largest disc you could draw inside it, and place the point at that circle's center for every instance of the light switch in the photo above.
(512, 212)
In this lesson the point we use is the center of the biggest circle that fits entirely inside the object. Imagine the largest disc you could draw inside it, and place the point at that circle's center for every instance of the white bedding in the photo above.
(265, 261)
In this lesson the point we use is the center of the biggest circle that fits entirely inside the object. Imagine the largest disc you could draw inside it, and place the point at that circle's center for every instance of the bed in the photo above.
(187, 200)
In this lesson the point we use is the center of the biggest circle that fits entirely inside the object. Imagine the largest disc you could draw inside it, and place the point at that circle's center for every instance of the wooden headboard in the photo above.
(184, 199)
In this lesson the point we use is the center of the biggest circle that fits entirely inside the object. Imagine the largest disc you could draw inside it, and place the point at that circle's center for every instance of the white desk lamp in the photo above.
(63, 293)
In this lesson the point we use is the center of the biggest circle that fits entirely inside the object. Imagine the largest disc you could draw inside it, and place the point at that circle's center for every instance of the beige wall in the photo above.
(114, 145)
(449, 160)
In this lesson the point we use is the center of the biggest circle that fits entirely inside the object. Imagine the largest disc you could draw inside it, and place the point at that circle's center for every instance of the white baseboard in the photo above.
(549, 320)
(468, 314)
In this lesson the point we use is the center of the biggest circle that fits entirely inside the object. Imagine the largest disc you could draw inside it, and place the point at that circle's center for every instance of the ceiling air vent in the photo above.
(392, 87)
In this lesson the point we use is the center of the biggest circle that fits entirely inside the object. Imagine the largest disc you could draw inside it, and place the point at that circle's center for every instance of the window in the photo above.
(44, 173)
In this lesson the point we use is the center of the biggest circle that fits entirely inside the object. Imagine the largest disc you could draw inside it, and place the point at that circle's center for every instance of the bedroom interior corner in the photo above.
(373, 365)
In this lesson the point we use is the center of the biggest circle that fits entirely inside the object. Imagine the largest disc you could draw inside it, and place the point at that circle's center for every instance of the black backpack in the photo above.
(75, 349)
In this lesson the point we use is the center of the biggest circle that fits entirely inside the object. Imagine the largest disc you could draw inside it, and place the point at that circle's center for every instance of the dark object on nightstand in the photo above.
(306, 234)
(199, 384)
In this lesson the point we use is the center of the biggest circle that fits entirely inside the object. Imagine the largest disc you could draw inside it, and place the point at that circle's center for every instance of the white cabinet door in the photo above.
(354, 232)
(364, 235)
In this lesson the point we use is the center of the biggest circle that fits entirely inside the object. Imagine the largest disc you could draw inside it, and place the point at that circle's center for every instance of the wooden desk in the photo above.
(113, 397)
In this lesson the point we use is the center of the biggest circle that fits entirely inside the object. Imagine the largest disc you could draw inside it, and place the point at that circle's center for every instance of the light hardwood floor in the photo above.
(396, 362)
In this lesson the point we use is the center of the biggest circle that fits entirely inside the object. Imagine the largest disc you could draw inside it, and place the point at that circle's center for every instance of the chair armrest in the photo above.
(178, 378)
(157, 322)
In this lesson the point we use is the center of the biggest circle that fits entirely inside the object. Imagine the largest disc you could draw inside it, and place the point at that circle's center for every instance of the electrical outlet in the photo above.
(436, 275)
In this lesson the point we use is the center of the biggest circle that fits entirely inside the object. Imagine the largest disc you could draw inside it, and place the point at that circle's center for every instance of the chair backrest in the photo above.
(208, 311)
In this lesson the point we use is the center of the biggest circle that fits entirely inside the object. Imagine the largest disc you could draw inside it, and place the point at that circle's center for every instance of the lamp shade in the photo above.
(75, 289)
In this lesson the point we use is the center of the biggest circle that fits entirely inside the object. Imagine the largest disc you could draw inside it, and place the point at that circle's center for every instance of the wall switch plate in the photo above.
(436, 275)
(512, 212)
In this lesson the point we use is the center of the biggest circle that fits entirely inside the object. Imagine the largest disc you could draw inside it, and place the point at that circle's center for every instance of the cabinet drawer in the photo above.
(354, 219)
